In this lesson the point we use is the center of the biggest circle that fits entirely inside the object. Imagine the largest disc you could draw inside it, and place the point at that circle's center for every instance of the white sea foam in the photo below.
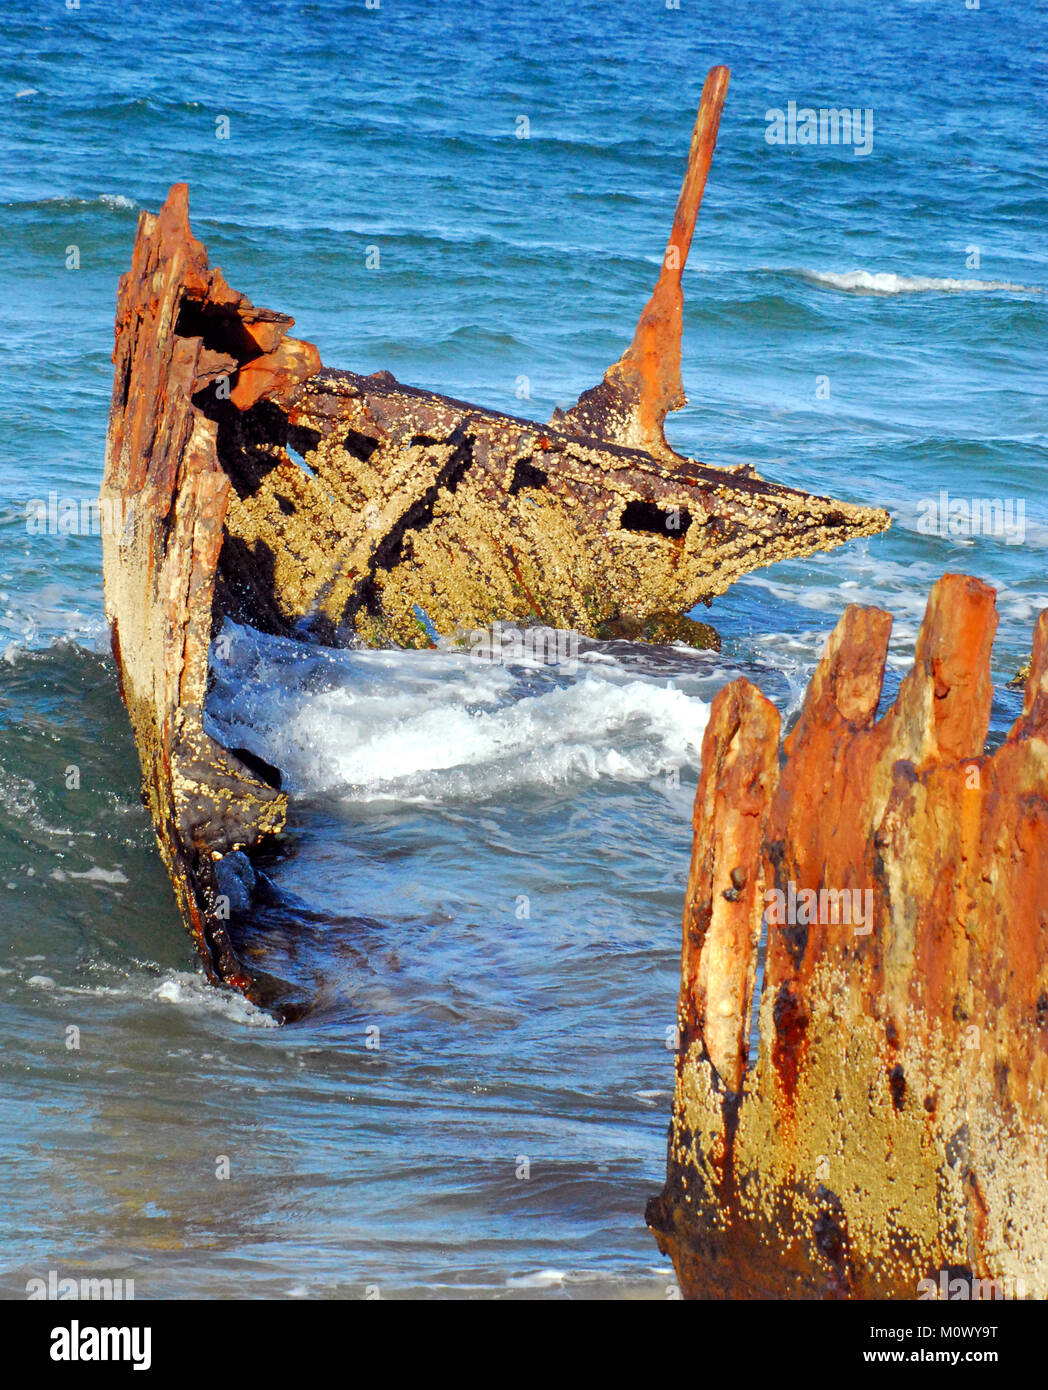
(180, 989)
(541, 1279)
(191, 993)
(92, 875)
(18, 797)
(99, 875)
(95, 991)
(650, 1097)
(174, 988)
(886, 282)
(428, 726)
(117, 201)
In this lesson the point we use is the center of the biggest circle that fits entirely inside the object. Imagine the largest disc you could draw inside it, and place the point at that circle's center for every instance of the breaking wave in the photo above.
(886, 282)
(433, 726)
(68, 202)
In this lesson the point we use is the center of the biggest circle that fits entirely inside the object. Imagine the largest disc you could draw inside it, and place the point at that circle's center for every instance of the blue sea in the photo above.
(482, 879)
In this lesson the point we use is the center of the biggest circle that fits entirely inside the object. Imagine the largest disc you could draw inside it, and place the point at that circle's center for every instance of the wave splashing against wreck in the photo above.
(438, 726)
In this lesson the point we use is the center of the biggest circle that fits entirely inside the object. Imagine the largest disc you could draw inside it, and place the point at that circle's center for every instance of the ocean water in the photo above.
(481, 885)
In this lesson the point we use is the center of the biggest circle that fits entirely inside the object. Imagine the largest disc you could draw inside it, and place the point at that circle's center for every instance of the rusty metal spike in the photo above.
(644, 385)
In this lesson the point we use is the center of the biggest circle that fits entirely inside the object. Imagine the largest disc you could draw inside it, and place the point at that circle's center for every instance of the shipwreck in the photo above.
(335, 508)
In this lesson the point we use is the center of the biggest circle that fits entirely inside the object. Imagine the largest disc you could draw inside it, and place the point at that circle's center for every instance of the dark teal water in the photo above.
(430, 800)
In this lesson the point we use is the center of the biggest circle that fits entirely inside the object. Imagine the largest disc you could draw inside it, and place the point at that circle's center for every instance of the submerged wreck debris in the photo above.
(331, 507)
(892, 1128)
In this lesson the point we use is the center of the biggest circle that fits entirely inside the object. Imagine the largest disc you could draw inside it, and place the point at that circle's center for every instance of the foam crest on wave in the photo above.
(434, 726)
(886, 282)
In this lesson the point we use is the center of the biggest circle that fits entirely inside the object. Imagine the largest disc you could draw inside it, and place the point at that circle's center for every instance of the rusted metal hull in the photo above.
(332, 507)
(894, 1126)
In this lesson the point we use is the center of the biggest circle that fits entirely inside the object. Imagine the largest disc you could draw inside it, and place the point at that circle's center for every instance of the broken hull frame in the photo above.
(405, 512)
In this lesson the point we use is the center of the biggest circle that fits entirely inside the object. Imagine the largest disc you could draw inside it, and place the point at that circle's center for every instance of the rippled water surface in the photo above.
(480, 889)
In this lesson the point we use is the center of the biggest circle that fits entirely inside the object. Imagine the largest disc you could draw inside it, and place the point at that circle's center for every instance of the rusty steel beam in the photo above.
(644, 385)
